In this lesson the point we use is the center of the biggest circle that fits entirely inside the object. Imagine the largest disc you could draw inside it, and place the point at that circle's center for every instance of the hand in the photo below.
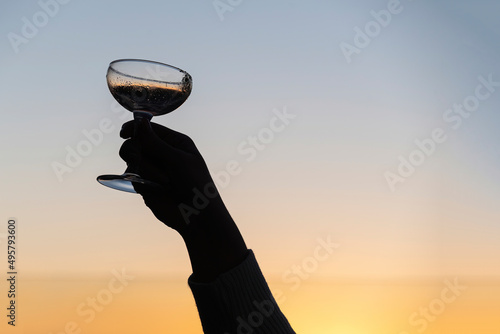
(171, 160)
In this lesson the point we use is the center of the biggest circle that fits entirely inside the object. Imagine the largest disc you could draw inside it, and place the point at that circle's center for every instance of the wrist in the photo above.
(214, 247)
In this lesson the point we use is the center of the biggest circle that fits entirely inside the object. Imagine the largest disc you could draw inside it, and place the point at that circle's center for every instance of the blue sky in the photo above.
(323, 175)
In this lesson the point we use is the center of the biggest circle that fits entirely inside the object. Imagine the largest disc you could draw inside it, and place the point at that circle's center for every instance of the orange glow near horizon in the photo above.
(152, 306)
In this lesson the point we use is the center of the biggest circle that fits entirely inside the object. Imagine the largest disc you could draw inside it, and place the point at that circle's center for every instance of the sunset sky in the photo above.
(390, 151)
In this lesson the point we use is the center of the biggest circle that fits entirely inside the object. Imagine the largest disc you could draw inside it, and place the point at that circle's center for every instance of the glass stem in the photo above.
(138, 115)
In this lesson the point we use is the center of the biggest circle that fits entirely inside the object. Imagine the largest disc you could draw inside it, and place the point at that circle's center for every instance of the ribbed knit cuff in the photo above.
(239, 302)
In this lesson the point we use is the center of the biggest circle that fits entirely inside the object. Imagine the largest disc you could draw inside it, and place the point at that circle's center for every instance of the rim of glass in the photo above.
(141, 61)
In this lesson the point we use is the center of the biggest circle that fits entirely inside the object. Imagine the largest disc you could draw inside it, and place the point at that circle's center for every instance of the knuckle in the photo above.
(126, 149)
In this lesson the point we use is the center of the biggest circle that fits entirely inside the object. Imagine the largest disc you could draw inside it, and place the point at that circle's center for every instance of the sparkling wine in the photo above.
(155, 97)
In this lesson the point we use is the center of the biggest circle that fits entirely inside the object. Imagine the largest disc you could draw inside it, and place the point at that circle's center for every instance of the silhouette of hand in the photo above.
(171, 160)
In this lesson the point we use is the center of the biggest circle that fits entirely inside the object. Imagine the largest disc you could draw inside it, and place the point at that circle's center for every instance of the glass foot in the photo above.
(124, 182)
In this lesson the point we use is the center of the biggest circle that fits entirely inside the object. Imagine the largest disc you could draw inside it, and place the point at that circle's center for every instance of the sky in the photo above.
(389, 149)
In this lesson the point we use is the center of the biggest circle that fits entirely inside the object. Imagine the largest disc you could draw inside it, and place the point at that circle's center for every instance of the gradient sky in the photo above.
(321, 176)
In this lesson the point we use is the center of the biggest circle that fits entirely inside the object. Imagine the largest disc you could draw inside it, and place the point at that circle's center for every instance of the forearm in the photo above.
(214, 243)
(230, 291)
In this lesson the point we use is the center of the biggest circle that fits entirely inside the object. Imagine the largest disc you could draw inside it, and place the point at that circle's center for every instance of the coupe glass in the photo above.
(147, 88)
